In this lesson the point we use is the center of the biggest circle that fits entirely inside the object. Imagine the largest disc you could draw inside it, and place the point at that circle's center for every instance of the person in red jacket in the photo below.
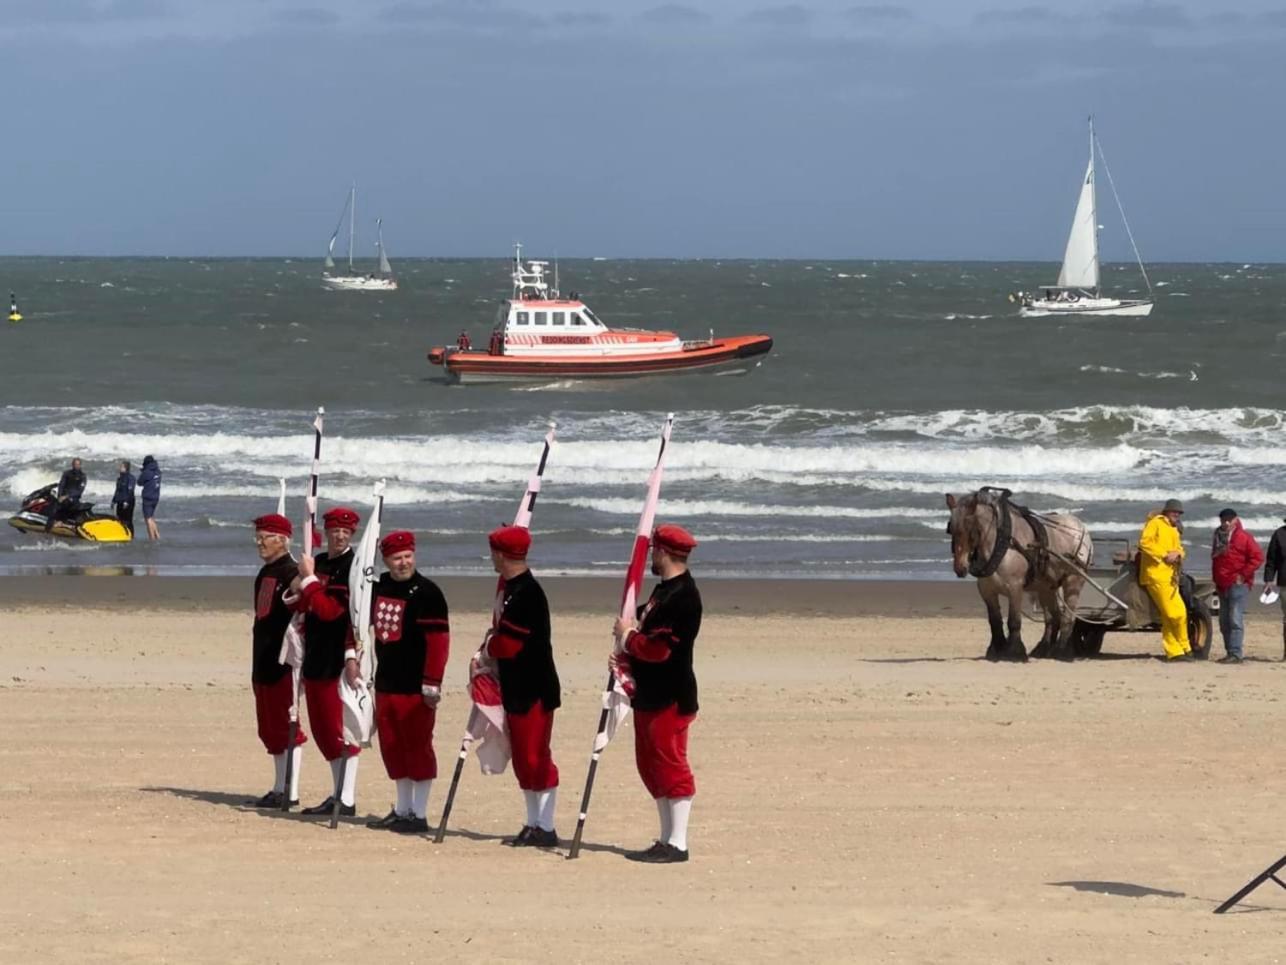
(1234, 559)
(412, 640)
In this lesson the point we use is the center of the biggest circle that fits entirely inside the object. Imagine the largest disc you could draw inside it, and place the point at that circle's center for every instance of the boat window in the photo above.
(520, 318)
(541, 317)
(576, 319)
(557, 318)
(591, 316)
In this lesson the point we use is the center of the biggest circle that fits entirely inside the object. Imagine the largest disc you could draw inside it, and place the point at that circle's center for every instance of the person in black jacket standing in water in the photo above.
(123, 498)
(521, 646)
(658, 653)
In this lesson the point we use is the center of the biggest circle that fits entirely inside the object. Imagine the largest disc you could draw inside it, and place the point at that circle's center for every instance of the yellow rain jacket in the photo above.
(1157, 539)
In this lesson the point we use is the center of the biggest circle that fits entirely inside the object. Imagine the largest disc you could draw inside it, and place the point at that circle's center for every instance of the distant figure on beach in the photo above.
(149, 481)
(1275, 574)
(123, 498)
(70, 488)
(1160, 560)
(1234, 560)
(656, 652)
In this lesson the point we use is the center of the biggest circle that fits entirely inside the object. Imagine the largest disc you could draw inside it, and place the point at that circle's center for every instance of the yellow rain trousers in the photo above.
(1161, 580)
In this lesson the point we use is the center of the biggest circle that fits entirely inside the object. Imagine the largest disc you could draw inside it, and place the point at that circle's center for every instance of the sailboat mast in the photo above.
(352, 222)
(1095, 143)
(1094, 205)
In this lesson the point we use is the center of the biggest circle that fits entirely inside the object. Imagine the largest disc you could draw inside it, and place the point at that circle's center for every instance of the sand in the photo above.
(869, 791)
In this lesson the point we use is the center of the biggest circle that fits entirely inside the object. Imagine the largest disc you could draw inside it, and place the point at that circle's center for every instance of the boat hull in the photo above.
(342, 283)
(1091, 307)
(731, 355)
(94, 529)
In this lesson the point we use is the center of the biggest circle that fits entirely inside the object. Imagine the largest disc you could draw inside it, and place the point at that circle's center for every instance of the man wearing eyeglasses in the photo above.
(273, 681)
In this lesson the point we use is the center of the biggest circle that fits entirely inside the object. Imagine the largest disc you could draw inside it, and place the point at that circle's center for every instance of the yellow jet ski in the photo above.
(78, 522)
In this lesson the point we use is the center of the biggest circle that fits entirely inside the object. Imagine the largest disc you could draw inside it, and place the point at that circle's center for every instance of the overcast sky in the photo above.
(708, 128)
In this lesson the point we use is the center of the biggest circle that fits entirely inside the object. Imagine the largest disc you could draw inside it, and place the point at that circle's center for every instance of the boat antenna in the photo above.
(556, 289)
(1121, 208)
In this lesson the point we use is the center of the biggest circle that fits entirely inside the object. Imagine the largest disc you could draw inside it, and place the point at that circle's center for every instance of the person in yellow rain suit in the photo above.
(1160, 555)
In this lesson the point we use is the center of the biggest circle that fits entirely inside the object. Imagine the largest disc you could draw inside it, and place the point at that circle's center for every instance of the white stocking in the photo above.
(279, 772)
(348, 796)
(296, 758)
(533, 809)
(545, 801)
(335, 767)
(420, 798)
(403, 806)
(680, 808)
(663, 809)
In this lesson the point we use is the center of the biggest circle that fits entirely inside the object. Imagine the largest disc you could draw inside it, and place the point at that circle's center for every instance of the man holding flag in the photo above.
(272, 680)
(412, 640)
(521, 646)
(656, 658)
(322, 586)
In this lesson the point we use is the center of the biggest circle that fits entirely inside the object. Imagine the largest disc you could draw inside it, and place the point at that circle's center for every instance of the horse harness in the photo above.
(1037, 556)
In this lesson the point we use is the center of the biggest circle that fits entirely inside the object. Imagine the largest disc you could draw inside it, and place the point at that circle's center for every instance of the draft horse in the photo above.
(1009, 549)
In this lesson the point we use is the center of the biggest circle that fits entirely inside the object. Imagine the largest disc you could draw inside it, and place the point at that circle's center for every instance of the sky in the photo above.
(909, 130)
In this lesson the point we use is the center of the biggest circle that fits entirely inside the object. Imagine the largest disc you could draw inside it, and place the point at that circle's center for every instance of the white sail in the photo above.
(385, 267)
(330, 252)
(1080, 261)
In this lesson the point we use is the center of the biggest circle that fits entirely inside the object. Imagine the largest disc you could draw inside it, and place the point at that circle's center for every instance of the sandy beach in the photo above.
(869, 789)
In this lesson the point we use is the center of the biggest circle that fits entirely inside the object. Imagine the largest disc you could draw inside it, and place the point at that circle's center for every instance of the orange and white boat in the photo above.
(541, 335)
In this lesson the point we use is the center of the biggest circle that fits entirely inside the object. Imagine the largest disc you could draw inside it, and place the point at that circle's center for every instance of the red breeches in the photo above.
(326, 718)
(272, 711)
(661, 752)
(405, 727)
(530, 735)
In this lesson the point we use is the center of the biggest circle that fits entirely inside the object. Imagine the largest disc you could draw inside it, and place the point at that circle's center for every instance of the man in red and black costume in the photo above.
(658, 651)
(273, 681)
(412, 640)
(323, 598)
(521, 647)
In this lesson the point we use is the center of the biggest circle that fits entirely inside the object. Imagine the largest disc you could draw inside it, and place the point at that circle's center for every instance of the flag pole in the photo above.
(309, 525)
(522, 518)
(629, 597)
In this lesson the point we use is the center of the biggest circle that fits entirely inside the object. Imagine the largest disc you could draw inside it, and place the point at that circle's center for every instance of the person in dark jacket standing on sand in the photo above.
(123, 498)
(1275, 574)
(150, 481)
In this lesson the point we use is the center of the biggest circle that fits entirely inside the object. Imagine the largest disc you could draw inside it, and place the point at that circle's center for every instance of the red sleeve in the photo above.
(650, 647)
(437, 646)
(1254, 558)
(508, 640)
(324, 606)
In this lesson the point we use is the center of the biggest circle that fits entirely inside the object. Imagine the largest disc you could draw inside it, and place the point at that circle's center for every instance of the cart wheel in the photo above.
(1201, 630)
(1087, 638)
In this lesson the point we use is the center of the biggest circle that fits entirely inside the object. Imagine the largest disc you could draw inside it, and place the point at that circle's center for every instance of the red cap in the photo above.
(674, 539)
(274, 523)
(341, 517)
(397, 542)
(511, 541)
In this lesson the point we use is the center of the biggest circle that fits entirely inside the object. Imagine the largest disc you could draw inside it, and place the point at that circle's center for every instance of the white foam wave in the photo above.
(723, 507)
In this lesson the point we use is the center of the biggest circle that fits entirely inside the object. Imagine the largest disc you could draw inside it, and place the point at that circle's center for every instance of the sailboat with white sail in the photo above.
(381, 280)
(1078, 291)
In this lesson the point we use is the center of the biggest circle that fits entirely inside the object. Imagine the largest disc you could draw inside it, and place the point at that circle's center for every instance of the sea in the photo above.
(889, 385)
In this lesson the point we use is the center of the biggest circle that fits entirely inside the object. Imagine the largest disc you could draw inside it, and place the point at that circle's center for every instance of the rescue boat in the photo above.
(539, 334)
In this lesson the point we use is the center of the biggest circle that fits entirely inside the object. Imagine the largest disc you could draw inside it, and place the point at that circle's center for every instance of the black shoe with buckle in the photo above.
(660, 853)
(270, 802)
(410, 825)
(386, 822)
(646, 853)
(520, 840)
(540, 838)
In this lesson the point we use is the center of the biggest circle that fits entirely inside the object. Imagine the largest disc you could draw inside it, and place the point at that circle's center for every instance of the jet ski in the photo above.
(77, 522)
